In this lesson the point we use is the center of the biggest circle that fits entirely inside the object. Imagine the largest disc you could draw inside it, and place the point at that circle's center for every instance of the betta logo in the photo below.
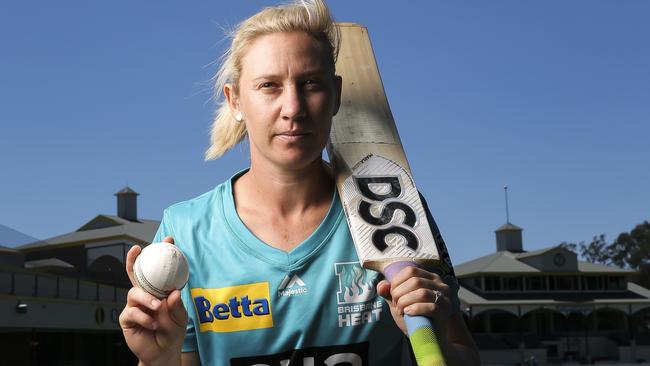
(232, 309)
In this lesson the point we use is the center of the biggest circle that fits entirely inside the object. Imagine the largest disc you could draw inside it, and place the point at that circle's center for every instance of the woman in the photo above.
(274, 278)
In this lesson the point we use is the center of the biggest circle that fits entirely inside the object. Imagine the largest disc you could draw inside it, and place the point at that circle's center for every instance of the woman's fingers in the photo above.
(383, 289)
(410, 278)
(421, 295)
(145, 310)
(177, 311)
(422, 308)
(139, 297)
(413, 285)
(132, 317)
(408, 272)
(133, 253)
(130, 261)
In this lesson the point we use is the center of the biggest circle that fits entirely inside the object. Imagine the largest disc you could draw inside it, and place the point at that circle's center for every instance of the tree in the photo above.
(595, 252)
(570, 246)
(629, 250)
(632, 249)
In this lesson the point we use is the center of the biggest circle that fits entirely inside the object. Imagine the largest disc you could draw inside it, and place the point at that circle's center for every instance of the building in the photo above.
(548, 304)
(60, 298)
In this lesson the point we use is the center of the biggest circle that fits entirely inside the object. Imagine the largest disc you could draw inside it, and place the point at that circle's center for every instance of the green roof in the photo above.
(499, 262)
(507, 262)
(4, 249)
(508, 226)
(127, 190)
(49, 262)
(143, 230)
(601, 268)
(536, 252)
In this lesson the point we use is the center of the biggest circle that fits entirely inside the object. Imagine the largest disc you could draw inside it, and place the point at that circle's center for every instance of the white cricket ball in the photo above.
(161, 268)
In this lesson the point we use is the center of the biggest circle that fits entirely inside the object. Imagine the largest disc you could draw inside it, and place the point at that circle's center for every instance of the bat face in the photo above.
(387, 220)
(386, 216)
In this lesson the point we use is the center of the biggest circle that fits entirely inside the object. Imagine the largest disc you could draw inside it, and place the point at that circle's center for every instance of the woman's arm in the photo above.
(190, 359)
(416, 291)
(462, 349)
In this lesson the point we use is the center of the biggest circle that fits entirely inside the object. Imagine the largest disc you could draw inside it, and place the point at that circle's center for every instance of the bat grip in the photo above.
(421, 332)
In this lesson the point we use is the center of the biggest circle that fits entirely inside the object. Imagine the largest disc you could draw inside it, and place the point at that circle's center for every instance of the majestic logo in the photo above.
(355, 354)
(292, 285)
(235, 308)
(357, 295)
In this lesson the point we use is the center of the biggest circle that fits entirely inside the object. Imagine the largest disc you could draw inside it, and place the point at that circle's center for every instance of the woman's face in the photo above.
(287, 97)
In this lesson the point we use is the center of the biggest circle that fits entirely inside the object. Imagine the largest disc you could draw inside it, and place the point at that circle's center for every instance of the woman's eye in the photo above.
(267, 84)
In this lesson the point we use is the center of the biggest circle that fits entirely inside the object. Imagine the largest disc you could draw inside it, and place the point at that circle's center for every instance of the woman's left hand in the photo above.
(415, 291)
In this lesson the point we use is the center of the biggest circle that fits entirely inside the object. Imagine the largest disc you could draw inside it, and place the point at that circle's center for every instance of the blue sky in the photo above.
(551, 98)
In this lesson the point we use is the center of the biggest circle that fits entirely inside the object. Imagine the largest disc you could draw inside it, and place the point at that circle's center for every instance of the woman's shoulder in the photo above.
(199, 205)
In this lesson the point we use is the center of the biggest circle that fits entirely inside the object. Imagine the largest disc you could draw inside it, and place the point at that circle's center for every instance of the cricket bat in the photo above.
(388, 221)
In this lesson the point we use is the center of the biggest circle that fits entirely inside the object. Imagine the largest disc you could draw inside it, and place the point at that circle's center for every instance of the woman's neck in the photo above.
(285, 192)
(283, 208)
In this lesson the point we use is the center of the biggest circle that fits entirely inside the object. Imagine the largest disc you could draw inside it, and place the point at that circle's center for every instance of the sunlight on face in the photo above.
(287, 95)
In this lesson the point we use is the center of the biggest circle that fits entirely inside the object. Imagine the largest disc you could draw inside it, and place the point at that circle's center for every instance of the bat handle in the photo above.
(421, 332)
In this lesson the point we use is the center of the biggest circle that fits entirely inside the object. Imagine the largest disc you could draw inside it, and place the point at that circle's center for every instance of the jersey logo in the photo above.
(357, 295)
(233, 309)
(355, 354)
(292, 285)
(355, 283)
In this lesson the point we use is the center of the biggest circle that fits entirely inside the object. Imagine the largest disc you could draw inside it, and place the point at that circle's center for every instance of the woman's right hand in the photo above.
(154, 329)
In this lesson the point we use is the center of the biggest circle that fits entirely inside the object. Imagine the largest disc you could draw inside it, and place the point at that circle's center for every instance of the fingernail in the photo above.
(408, 310)
(155, 303)
(154, 325)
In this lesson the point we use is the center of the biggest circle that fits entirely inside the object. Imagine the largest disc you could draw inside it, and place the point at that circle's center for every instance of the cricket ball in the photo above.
(161, 268)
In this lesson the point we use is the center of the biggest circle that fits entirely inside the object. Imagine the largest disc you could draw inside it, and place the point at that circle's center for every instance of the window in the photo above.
(615, 283)
(492, 283)
(535, 283)
(592, 283)
(512, 283)
(563, 283)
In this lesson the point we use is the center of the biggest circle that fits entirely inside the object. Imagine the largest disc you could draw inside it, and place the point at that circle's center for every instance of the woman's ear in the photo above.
(231, 97)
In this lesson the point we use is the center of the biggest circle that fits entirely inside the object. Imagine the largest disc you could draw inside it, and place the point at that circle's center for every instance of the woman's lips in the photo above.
(293, 136)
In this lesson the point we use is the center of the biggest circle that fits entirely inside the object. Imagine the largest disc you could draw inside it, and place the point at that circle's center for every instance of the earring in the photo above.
(239, 117)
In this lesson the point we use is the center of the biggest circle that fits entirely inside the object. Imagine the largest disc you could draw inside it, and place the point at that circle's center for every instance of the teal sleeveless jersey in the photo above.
(252, 304)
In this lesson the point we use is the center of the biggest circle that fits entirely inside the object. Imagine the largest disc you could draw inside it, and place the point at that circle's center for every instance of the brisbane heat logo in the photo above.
(357, 295)
(235, 308)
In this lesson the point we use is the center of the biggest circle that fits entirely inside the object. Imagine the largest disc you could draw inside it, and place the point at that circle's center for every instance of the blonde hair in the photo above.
(309, 16)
